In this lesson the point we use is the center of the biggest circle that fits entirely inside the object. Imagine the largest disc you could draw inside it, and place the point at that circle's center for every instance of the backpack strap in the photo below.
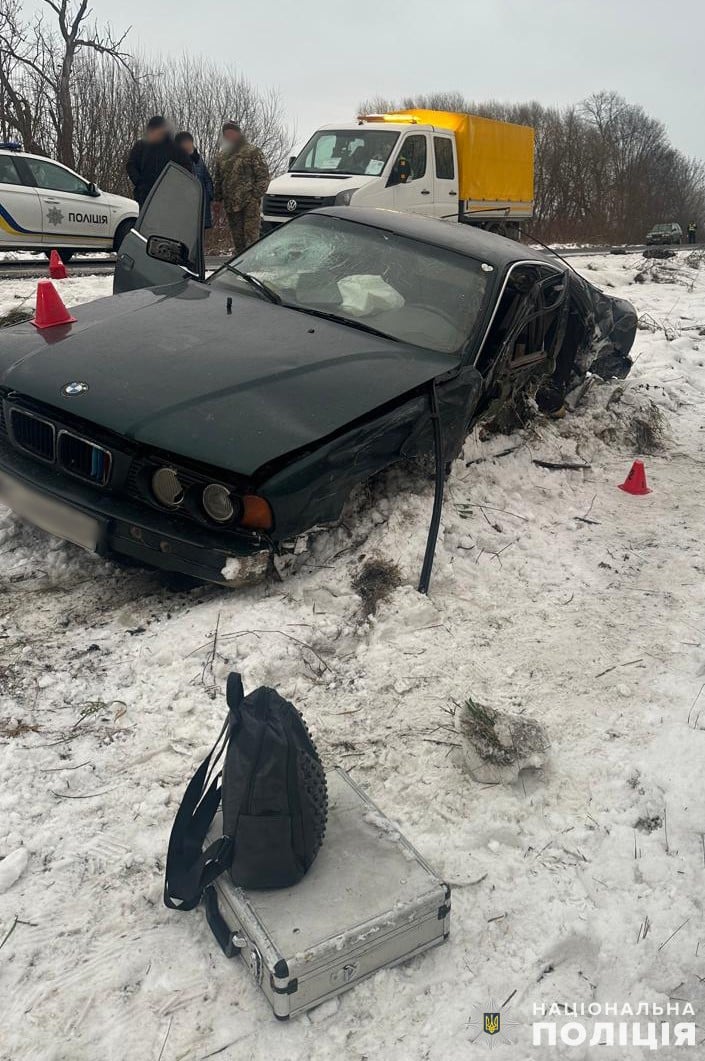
(190, 869)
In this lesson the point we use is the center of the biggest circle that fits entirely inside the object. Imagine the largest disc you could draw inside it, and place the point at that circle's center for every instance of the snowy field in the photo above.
(554, 594)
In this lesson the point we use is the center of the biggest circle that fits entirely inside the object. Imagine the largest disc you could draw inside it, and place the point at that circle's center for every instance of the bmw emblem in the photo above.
(73, 389)
(291, 206)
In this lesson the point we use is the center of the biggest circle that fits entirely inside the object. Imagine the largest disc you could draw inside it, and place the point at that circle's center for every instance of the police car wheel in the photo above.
(64, 254)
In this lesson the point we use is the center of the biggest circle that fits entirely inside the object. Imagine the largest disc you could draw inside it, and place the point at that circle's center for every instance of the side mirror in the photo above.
(93, 191)
(168, 250)
(401, 171)
(292, 160)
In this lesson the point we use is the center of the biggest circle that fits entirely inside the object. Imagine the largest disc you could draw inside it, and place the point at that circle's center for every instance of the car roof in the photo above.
(27, 154)
(463, 239)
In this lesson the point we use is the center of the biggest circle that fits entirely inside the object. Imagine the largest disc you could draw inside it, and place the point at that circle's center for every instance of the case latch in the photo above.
(345, 974)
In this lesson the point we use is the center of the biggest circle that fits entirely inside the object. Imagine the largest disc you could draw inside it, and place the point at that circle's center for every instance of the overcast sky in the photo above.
(325, 57)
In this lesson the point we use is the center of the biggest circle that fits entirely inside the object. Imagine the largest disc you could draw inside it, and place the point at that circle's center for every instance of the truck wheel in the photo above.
(122, 230)
(65, 254)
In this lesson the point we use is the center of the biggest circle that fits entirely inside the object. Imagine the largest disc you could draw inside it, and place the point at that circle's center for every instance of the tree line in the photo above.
(605, 170)
(69, 89)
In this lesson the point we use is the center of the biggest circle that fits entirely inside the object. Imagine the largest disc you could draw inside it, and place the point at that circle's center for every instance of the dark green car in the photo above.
(666, 234)
(204, 425)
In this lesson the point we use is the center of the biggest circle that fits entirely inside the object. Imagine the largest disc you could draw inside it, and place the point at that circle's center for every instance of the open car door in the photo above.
(166, 243)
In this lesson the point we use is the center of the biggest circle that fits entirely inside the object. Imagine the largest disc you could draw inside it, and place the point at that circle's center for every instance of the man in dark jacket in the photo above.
(241, 179)
(200, 169)
(149, 156)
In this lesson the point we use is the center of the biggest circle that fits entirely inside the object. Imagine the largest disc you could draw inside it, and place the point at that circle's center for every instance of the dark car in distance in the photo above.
(203, 425)
(665, 234)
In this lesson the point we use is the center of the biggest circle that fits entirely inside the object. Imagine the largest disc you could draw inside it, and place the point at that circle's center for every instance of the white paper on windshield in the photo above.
(365, 293)
(374, 166)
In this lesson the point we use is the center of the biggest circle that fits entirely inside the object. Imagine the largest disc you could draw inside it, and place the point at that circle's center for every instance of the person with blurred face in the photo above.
(241, 179)
(200, 170)
(151, 154)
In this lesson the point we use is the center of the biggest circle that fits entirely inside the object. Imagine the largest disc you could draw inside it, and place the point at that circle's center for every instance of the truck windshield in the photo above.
(347, 151)
(367, 278)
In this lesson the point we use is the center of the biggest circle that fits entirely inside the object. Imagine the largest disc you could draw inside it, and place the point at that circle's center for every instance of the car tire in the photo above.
(122, 230)
(65, 254)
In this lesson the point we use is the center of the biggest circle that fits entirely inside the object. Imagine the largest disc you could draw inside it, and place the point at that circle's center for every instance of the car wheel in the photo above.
(122, 230)
(65, 254)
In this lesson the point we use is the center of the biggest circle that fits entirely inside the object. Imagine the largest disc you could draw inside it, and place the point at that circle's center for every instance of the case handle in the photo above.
(217, 925)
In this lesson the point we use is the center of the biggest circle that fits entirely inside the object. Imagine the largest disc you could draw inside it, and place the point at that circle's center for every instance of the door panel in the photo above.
(70, 216)
(445, 177)
(173, 210)
(412, 175)
(20, 208)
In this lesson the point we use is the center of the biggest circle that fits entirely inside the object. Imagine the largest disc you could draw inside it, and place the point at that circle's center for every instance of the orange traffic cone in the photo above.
(57, 269)
(50, 309)
(635, 483)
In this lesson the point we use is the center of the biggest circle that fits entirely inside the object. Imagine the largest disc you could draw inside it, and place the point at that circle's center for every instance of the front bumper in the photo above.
(112, 525)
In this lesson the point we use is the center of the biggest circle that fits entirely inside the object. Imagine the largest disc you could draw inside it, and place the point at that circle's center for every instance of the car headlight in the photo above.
(218, 503)
(343, 198)
(167, 487)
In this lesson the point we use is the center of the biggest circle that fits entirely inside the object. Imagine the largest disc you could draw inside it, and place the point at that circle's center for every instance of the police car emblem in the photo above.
(73, 389)
(291, 205)
(54, 216)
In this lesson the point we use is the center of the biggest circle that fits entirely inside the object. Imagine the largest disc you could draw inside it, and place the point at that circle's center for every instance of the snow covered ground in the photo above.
(554, 594)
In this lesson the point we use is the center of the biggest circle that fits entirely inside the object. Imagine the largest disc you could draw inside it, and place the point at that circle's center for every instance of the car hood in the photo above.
(171, 368)
(294, 184)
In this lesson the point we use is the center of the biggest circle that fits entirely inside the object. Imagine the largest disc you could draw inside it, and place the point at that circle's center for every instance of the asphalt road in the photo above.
(85, 266)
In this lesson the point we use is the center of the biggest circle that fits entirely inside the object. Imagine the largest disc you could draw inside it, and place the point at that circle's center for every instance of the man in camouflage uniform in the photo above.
(241, 178)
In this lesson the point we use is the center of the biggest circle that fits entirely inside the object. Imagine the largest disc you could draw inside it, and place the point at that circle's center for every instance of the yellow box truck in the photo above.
(458, 167)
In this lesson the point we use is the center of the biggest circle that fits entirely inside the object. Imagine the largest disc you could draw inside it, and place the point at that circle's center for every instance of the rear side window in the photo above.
(443, 151)
(8, 173)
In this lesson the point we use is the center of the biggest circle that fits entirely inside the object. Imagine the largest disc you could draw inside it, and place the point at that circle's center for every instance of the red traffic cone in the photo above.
(57, 269)
(50, 309)
(635, 483)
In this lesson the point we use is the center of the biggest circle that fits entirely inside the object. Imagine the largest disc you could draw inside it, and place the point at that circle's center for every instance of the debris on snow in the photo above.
(374, 581)
(12, 867)
(498, 745)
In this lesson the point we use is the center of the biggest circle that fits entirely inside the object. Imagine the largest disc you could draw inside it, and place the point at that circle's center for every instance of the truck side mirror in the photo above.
(401, 171)
(292, 160)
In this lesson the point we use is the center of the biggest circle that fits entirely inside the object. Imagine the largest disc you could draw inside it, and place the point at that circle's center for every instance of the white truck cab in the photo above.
(44, 204)
(404, 162)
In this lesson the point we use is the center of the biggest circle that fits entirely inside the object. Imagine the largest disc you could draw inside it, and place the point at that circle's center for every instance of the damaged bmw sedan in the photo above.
(202, 425)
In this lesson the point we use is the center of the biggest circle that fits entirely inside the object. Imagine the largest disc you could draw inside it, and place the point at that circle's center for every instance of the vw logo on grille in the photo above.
(291, 206)
(73, 389)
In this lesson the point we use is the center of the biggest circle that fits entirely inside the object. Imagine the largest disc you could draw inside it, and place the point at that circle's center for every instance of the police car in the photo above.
(43, 205)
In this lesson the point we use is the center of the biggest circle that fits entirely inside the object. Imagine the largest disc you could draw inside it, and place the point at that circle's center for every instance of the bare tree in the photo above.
(46, 53)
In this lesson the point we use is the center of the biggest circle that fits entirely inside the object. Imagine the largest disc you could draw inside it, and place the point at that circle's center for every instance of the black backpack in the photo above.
(274, 798)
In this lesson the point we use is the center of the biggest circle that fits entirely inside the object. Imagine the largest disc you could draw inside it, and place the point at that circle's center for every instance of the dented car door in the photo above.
(171, 220)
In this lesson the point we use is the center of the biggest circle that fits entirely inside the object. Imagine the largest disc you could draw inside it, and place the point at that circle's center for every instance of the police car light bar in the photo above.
(10, 145)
